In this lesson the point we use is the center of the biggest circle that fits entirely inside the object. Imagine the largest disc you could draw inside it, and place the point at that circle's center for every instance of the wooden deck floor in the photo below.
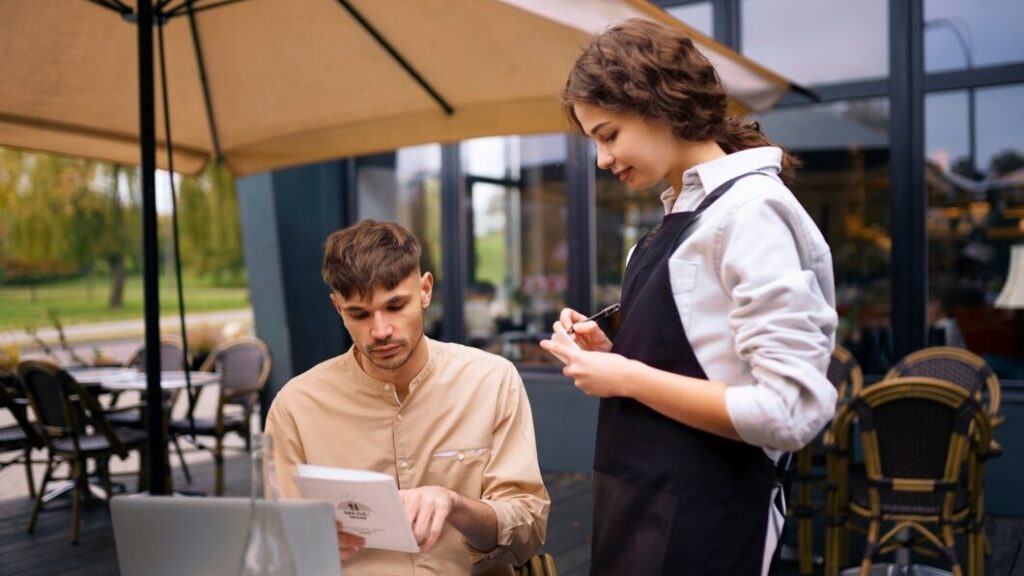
(49, 552)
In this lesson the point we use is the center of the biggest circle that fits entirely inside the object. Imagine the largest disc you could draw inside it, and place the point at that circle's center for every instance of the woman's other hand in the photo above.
(600, 374)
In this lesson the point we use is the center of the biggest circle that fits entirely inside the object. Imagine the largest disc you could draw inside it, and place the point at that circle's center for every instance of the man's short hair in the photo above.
(368, 256)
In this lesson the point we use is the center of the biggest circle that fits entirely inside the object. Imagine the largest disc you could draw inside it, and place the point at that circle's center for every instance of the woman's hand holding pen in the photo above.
(593, 369)
(587, 333)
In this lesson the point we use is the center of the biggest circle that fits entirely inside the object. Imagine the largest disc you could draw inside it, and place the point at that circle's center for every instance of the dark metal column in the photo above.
(726, 22)
(157, 441)
(909, 194)
(453, 242)
(580, 227)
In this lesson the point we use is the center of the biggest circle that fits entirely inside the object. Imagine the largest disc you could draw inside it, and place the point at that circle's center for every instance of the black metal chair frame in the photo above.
(23, 436)
(81, 419)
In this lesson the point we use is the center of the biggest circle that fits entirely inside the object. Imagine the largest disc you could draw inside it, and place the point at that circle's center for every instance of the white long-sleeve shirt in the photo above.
(754, 287)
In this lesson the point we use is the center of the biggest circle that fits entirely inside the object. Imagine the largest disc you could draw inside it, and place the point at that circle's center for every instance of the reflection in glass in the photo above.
(517, 246)
(961, 34)
(623, 217)
(844, 185)
(405, 187)
(818, 41)
(975, 219)
(698, 15)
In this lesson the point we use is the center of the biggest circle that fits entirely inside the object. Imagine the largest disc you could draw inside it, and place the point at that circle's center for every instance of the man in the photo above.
(451, 423)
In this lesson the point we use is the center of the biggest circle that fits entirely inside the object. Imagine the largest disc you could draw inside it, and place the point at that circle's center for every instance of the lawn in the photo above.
(81, 301)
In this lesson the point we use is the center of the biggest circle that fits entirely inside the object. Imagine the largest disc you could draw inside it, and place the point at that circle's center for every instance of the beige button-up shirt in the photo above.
(465, 425)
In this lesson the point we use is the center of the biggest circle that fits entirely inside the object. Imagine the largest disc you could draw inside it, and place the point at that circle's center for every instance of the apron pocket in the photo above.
(632, 527)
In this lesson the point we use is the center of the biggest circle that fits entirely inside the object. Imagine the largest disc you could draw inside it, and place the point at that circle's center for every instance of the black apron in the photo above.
(668, 498)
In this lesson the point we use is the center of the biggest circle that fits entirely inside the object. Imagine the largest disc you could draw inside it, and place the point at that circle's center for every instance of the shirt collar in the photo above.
(701, 179)
(377, 386)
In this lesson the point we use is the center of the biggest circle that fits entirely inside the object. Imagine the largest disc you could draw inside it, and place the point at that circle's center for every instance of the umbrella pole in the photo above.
(158, 467)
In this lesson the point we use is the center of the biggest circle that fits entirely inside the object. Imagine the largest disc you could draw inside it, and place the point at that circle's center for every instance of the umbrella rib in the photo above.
(397, 57)
(201, 63)
(182, 8)
(114, 5)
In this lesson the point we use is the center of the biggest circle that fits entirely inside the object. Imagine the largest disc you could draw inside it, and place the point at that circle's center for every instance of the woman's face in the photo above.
(640, 152)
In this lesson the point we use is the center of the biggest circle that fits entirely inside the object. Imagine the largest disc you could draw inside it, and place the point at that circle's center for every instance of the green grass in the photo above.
(76, 303)
(490, 258)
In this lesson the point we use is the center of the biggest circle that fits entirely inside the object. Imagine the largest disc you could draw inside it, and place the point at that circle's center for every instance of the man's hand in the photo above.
(348, 544)
(427, 508)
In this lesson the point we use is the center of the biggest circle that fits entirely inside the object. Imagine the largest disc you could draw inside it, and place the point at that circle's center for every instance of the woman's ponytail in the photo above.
(738, 134)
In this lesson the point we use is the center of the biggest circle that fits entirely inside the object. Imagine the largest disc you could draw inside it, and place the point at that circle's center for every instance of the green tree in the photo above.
(1005, 162)
(209, 226)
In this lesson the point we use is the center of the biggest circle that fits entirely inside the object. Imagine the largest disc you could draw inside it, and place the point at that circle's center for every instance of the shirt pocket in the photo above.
(459, 468)
(683, 278)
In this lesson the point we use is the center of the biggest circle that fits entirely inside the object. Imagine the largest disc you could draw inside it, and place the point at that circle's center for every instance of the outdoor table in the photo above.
(130, 379)
(169, 380)
(124, 379)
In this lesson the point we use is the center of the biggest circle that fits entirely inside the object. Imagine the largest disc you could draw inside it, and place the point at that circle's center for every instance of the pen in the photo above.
(604, 313)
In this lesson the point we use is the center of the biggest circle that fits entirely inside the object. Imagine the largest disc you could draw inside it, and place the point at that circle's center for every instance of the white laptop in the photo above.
(166, 535)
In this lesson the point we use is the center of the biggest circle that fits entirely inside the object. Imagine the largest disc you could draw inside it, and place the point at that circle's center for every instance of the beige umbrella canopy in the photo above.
(297, 81)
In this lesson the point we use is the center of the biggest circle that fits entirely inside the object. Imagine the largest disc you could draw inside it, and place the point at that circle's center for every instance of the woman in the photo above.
(728, 318)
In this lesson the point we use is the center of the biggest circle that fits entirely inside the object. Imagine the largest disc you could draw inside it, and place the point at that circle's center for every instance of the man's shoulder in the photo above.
(314, 379)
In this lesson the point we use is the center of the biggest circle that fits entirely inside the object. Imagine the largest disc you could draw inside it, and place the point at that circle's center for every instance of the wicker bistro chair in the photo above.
(958, 366)
(964, 369)
(541, 564)
(75, 431)
(845, 374)
(916, 435)
(244, 367)
(22, 436)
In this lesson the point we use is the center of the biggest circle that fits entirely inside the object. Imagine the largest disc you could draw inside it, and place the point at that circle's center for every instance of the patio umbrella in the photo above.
(264, 84)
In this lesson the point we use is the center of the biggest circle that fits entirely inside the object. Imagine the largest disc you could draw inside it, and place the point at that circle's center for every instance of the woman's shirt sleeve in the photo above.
(781, 321)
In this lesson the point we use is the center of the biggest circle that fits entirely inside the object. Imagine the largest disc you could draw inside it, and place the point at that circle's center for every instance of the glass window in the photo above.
(961, 34)
(623, 216)
(844, 185)
(517, 246)
(698, 15)
(405, 187)
(975, 224)
(818, 41)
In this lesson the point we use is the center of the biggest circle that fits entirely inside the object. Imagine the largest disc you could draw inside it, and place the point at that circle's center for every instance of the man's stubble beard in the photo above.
(393, 363)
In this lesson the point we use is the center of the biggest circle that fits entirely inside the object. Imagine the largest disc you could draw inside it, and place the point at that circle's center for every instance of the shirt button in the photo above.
(461, 456)
(405, 463)
(399, 417)
(387, 387)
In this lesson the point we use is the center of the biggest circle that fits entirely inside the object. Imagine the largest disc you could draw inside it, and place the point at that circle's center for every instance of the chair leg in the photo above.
(218, 460)
(39, 497)
(103, 467)
(949, 540)
(76, 497)
(28, 473)
(181, 458)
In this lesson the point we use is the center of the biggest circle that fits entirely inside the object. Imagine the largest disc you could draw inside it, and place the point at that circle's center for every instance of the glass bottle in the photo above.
(266, 549)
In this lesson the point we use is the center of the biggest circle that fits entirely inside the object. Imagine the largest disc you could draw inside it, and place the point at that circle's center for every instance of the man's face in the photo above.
(387, 327)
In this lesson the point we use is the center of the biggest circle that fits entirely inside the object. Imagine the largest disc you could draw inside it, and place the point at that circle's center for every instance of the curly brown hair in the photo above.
(370, 255)
(644, 68)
